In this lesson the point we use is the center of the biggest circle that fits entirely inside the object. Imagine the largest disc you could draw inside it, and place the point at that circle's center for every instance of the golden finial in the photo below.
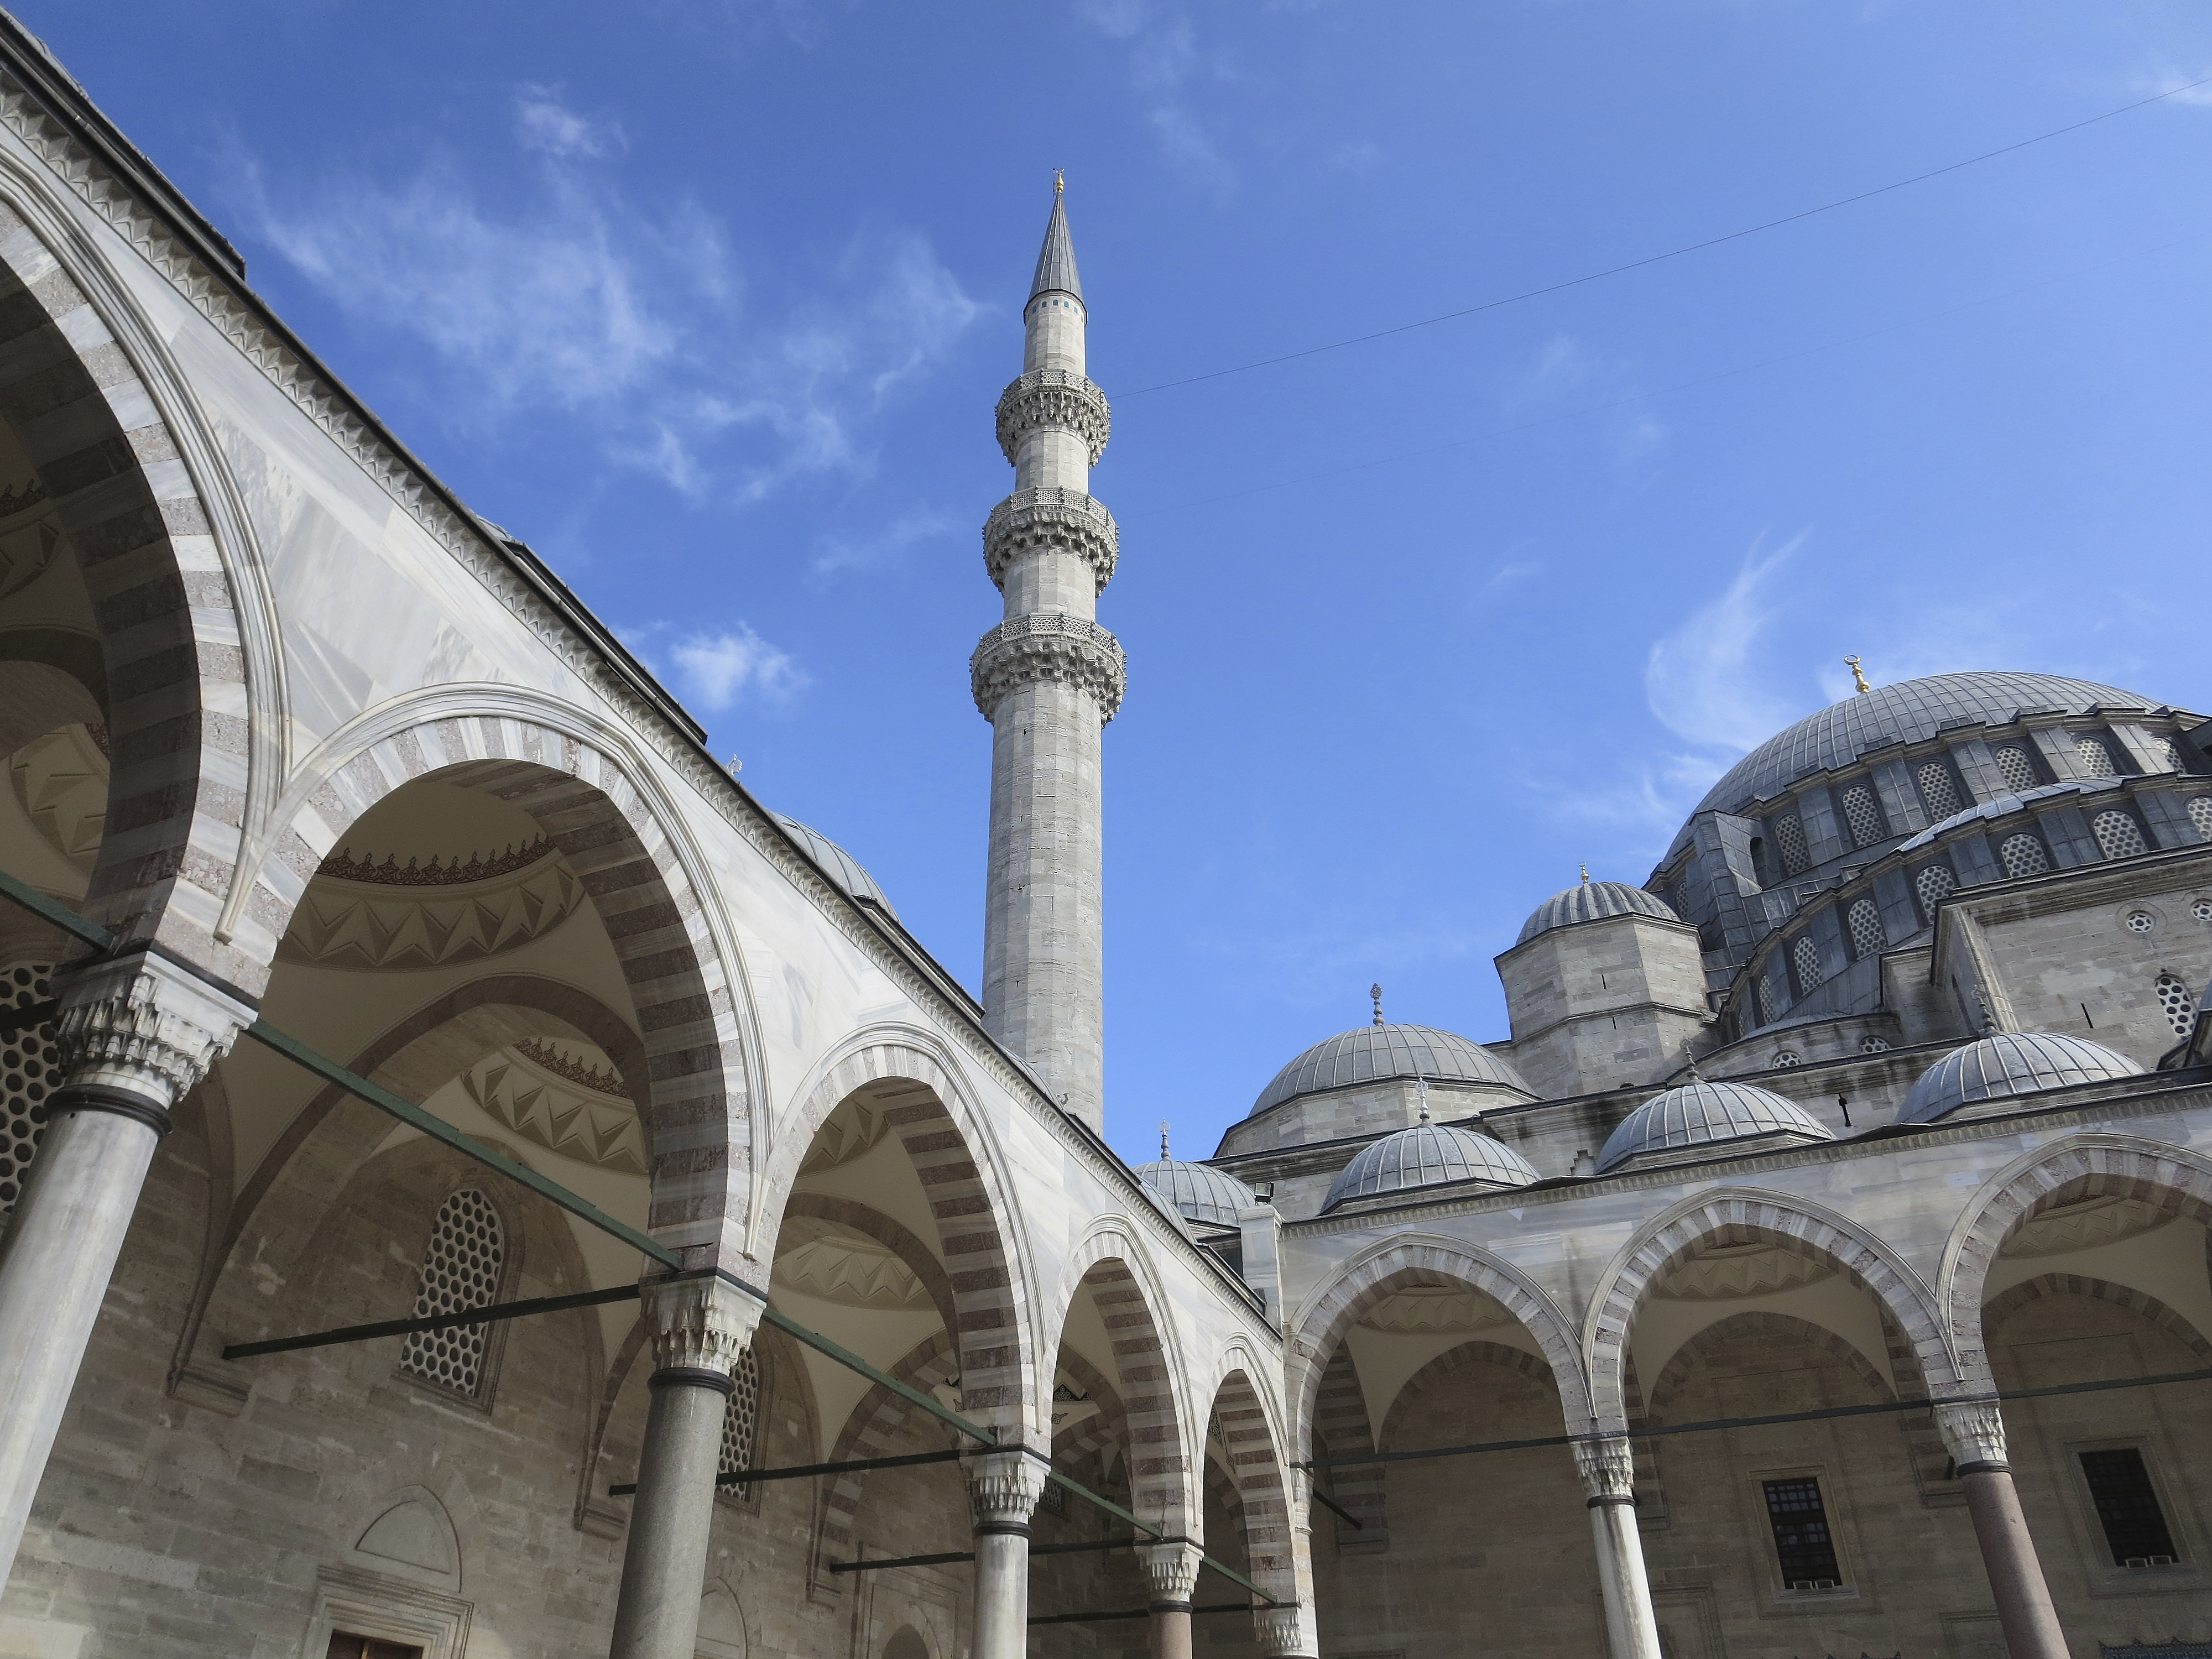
(1858, 674)
(1059, 181)
(1585, 875)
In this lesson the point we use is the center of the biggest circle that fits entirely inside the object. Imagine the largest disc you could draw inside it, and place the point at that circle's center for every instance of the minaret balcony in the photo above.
(1054, 399)
(1051, 520)
(1048, 646)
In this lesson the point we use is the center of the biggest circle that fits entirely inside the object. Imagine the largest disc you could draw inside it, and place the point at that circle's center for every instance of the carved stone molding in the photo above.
(1608, 1466)
(344, 923)
(1054, 397)
(1051, 520)
(1974, 1432)
(1049, 644)
(1170, 1570)
(1003, 1488)
(145, 1025)
(528, 1088)
(702, 1324)
(1281, 1632)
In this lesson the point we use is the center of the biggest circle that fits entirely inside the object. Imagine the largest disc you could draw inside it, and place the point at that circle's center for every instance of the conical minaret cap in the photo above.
(1055, 271)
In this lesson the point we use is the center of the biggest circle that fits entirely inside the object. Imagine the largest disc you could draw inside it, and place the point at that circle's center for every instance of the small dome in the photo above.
(1592, 901)
(1199, 1191)
(1701, 1114)
(2009, 1063)
(839, 865)
(1377, 1054)
(1428, 1154)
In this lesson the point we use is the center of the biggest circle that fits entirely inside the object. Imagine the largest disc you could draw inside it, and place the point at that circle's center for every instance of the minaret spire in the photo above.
(1048, 678)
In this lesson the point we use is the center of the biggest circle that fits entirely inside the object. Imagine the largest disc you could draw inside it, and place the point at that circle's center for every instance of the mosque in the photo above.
(477, 1182)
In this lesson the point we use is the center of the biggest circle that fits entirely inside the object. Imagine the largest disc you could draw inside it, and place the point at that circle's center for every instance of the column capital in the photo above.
(1170, 1570)
(1607, 1468)
(1003, 1488)
(702, 1322)
(142, 1027)
(1281, 1631)
(1973, 1433)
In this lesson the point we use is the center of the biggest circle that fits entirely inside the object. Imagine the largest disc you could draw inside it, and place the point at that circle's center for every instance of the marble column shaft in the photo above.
(1003, 1488)
(1974, 1436)
(1607, 1468)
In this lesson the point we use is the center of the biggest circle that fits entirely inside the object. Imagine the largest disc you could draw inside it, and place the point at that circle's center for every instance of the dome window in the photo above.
(1787, 1057)
(2119, 833)
(1873, 1045)
(1934, 882)
(2178, 1003)
(1805, 956)
(1789, 836)
(2202, 909)
(1868, 938)
(2200, 815)
(1938, 790)
(2095, 756)
(2016, 769)
(2024, 855)
(1863, 813)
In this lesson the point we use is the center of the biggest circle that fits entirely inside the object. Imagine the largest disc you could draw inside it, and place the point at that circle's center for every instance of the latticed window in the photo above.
(1863, 814)
(1805, 956)
(2096, 757)
(1771, 999)
(30, 1070)
(1789, 836)
(1865, 921)
(1873, 1045)
(2178, 1003)
(2200, 815)
(2128, 1508)
(2140, 921)
(1804, 1547)
(1787, 1057)
(1937, 789)
(739, 1418)
(461, 1269)
(2014, 767)
(2022, 854)
(2202, 909)
(2119, 833)
(2171, 752)
(1934, 882)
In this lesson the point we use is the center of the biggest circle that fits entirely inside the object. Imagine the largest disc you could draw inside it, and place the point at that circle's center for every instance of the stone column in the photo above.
(701, 1326)
(1004, 1486)
(1607, 1468)
(1973, 1433)
(135, 1034)
(1170, 1573)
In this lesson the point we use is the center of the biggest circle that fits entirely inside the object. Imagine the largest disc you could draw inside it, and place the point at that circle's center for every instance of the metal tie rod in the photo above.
(489, 1314)
(1094, 1545)
(801, 1471)
(1135, 1612)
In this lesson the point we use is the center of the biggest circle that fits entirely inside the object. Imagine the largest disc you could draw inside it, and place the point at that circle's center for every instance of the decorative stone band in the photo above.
(1051, 520)
(1973, 1433)
(1050, 398)
(701, 1324)
(1170, 1573)
(142, 1028)
(1281, 1632)
(1049, 644)
(1608, 1470)
(1005, 1486)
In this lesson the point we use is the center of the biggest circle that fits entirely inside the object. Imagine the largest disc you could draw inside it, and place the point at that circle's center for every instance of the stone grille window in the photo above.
(1789, 836)
(2178, 1003)
(2175, 760)
(1805, 956)
(1804, 1547)
(1787, 1057)
(2140, 921)
(2014, 767)
(1865, 919)
(2022, 854)
(1770, 1005)
(2128, 1508)
(1873, 1045)
(2200, 815)
(2095, 756)
(1934, 882)
(2202, 909)
(30, 1070)
(1863, 813)
(461, 1269)
(2119, 833)
(1937, 789)
(739, 1418)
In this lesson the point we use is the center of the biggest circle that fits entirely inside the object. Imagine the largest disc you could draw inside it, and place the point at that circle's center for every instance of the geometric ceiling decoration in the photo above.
(563, 1096)
(857, 1125)
(1434, 1309)
(834, 1264)
(2085, 1225)
(367, 914)
(61, 779)
(1729, 1270)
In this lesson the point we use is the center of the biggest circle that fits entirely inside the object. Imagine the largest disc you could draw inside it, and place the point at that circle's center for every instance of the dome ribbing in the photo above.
(1428, 1154)
(1593, 901)
(1377, 1054)
(1706, 1114)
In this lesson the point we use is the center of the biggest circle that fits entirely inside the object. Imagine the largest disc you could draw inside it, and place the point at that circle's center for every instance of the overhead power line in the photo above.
(1671, 254)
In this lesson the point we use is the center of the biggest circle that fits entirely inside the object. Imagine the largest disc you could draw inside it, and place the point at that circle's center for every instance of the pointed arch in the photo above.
(1250, 1435)
(2044, 1287)
(1721, 1331)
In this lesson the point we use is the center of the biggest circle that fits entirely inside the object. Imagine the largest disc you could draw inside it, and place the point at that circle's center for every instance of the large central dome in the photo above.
(1911, 711)
(1377, 1054)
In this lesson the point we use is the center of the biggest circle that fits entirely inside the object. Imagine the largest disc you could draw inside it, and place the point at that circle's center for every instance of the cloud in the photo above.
(1163, 58)
(883, 546)
(718, 669)
(543, 122)
(1697, 679)
(2168, 78)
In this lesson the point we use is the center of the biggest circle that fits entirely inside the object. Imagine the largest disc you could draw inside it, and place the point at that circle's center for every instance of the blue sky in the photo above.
(710, 302)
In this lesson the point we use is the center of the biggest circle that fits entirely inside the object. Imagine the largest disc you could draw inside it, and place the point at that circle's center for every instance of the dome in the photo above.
(2009, 1063)
(1201, 1192)
(1700, 1113)
(1377, 1053)
(1593, 901)
(839, 865)
(2003, 807)
(1428, 1154)
(1911, 711)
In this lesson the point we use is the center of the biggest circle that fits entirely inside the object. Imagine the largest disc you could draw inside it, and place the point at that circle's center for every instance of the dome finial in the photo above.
(1585, 875)
(1376, 991)
(1421, 1090)
(1858, 674)
(1059, 181)
(1163, 1140)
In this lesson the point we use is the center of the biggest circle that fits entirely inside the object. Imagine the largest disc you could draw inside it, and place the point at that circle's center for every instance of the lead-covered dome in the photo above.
(1593, 901)
(1428, 1154)
(1701, 1114)
(2009, 1063)
(1198, 1191)
(839, 865)
(1377, 1054)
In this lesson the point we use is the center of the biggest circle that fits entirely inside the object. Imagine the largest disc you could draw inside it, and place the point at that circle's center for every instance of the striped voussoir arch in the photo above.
(2044, 1287)
(1160, 1449)
(1458, 1362)
(1262, 1483)
(695, 1118)
(1728, 1219)
(1342, 1428)
(871, 1431)
(168, 627)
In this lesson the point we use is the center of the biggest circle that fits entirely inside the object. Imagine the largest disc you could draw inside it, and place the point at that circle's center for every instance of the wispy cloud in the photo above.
(2167, 77)
(718, 668)
(543, 122)
(1699, 679)
(881, 547)
(1164, 58)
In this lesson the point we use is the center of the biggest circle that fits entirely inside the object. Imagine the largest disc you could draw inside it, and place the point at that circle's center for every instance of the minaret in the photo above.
(1048, 678)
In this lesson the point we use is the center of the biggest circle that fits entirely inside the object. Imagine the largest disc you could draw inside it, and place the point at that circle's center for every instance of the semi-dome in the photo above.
(1699, 1114)
(1911, 711)
(2009, 1063)
(1377, 1054)
(1428, 1154)
(1593, 901)
(1198, 1191)
(839, 865)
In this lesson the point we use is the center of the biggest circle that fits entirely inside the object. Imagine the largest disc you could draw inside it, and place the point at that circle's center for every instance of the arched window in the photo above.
(1865, 921)
(2119, 833)
(2178, 1004)
(1789, 836)
(1805, 956)
(1771, 1000)
(2200, 815)
(739, 1419)
(1937, 789)
(1863, 813)
(1934, 882)
(30, 1070)
(2096, 757)
(462, 1265)
(2016, 768)
(2022, 854)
